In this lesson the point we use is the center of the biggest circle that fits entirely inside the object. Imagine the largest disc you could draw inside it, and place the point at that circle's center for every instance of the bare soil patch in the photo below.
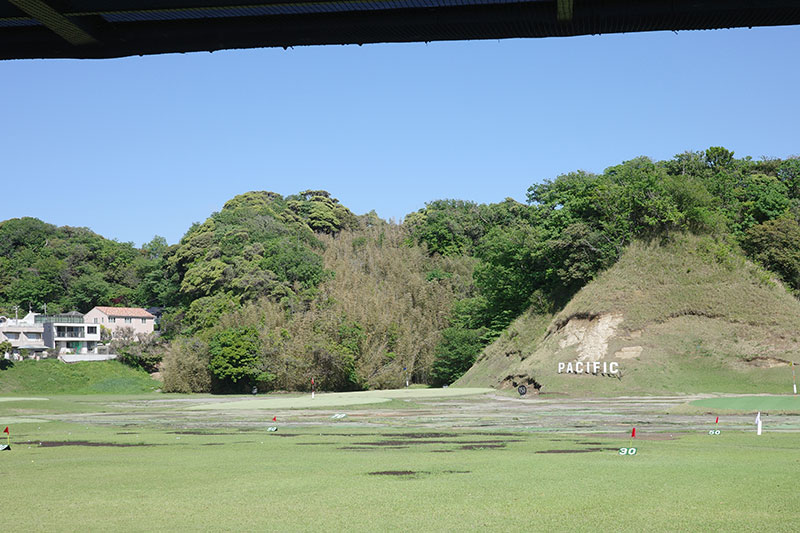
(476, 443)
(626, 436)
(579, 450)
(483, 446)
(54, 444)
(394, 473)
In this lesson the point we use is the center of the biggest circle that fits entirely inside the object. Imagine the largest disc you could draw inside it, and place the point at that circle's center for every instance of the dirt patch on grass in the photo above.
(483, 446)
(580, 450)
(475, 443)
(395, 473)
(419, 435)
(196, 432)
(55, 444)
(762, 361)
(626, 436)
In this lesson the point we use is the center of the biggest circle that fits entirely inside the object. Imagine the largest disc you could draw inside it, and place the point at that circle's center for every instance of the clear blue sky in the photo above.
(142, 146)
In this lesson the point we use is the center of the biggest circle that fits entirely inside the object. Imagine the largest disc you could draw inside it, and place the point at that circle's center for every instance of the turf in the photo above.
(752, 403)
(317, 479)
(145, 463)
(55, 377)
(341, 399)
(698, 318)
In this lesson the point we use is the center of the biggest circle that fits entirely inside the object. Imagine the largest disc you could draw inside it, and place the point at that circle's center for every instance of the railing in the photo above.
(61, 319)
(70, 334)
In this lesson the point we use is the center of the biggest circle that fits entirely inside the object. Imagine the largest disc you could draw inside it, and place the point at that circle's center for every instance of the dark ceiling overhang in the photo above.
(103, 29)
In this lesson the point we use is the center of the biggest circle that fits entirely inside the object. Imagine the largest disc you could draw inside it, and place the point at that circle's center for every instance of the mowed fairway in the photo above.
(759, 403)
(471, 463)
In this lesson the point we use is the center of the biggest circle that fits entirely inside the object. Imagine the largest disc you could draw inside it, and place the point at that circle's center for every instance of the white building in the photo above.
(23, 334)
(115, 318)
(66, 333)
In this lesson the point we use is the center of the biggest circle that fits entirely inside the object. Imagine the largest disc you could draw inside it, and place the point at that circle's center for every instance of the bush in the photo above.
(235, 358)
(185, 367)
(455, 354)
(138, 351)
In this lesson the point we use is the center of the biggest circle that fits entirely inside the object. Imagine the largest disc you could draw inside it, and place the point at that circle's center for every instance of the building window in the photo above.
(95, 321)
(92, 330)
(12, 336)
(144, 321)
(112, 319)
(127, 320)
(33, 336)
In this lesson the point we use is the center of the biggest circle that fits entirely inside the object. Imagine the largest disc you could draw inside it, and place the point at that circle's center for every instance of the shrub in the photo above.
(185, 367)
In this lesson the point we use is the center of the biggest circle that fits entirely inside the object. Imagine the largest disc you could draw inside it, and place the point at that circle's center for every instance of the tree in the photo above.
(5, 347)
(235, 358)
(776, 245)
(455, 354)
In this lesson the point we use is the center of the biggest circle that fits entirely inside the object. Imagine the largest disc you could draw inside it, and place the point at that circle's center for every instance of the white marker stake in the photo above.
(758, 423)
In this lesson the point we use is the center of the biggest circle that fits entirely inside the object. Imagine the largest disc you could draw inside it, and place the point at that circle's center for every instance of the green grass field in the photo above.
(54, 377)
(752, 403)
(148, 463)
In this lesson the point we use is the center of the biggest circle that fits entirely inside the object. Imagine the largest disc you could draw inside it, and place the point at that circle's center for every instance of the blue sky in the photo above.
(142, 146)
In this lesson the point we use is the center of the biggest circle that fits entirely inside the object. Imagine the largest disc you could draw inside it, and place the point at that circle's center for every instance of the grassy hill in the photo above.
(683, 316)
(55, 377)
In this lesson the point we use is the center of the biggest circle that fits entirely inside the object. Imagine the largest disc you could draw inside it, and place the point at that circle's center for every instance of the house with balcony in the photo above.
(137, 319)
(36, 333)
(23, 334)
(68, 333)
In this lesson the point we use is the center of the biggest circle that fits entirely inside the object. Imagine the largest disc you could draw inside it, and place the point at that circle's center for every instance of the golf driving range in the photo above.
(432, 459)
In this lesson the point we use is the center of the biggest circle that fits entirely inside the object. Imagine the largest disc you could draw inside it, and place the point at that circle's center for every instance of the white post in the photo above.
(758, 423)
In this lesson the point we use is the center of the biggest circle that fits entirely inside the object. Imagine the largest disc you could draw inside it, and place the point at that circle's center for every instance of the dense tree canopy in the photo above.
(68, 268)
(273, 291)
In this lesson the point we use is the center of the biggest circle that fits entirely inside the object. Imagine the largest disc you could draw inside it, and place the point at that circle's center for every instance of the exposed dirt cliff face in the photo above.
(669, 318)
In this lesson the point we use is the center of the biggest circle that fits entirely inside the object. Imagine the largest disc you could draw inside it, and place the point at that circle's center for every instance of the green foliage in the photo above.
(776, 245)
(454, 227)
(67, 268)
(321, 212)
(455, 354)
(5, 347)
(185, 366)
(259, 245)
(51, 376)
(235, 358)
(789, 174)
(143, 352)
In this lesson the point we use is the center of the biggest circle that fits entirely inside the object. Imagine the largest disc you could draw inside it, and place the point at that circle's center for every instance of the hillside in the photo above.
(70, 268)
(688, 315)
(54, 377)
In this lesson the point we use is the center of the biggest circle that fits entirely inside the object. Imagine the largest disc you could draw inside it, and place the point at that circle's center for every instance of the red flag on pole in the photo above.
(717, 421)
(633, 433)
(6, 430)
(274, 418)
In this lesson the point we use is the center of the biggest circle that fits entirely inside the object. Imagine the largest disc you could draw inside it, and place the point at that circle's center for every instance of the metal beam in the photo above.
(55, 22)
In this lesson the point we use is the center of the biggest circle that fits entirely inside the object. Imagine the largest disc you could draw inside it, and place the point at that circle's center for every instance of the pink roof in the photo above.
(132, 312)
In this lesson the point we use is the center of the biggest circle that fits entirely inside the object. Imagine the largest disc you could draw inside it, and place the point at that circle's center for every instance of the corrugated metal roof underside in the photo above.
(130, 27)
(286, 8)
